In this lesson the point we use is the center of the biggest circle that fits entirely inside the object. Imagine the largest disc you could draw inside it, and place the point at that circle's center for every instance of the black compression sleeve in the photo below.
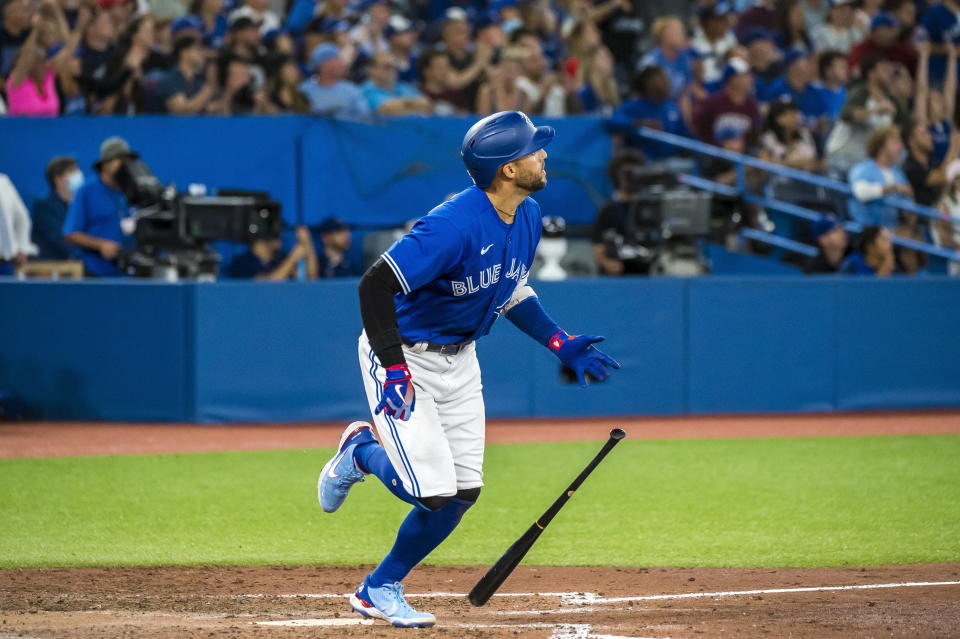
(377, 288)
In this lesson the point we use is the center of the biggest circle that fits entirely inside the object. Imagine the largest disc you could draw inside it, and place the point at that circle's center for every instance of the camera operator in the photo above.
(615, 242)
(99, 222)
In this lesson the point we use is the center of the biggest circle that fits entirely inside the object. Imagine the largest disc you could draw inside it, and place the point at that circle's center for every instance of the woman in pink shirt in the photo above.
(32, 85)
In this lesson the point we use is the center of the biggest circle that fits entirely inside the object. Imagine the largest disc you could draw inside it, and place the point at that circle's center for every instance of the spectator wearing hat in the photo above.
(265, 260)
(212, 21)
(258, 11)
(49, 213)
(839, 32)
(869, 105)
(713, 39)
(832, 242)
(245, 42)
(733, 108)
(672, 53)
(327, 91)
(874, 255)
(878, 176)
(883, 41)
(335, 241)
(785, 140)
(650, 107)
(794, 84)
(185, 89)
(401, 38)
(95, 218)
(386, 95)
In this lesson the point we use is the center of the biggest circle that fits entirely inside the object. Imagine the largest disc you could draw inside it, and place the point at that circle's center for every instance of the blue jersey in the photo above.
(939, 25)
(459, 266)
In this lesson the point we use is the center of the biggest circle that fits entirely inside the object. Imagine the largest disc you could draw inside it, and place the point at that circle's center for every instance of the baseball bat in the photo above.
(499, 572)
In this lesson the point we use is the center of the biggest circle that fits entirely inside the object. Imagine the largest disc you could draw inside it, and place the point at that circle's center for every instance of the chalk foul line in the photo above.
(590, 598)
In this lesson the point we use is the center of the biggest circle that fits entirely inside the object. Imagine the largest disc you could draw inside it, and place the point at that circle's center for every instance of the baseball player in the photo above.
(424, 304)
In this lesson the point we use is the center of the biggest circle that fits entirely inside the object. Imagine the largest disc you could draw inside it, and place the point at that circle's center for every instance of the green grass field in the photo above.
(739, 503)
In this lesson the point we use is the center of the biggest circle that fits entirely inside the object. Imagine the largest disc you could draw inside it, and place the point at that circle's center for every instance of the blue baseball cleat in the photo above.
(386, 602)
(341, 472)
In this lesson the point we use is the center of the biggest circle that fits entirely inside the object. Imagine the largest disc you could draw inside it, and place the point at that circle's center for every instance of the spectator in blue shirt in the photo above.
(831, 89)
(673, 54)
(764, 60)
(878, 176)
(387, 96)
(653, 109)
(329, 94)
(874, 255)
(48, 216)
(99, 212)
(795, 85)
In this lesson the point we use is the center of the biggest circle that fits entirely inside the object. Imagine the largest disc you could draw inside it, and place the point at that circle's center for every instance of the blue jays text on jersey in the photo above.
(459, 267)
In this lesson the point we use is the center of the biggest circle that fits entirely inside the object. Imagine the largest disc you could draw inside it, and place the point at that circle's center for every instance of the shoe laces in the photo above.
(397, 590)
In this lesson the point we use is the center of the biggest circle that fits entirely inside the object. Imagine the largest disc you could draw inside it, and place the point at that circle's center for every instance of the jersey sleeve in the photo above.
(430, 249)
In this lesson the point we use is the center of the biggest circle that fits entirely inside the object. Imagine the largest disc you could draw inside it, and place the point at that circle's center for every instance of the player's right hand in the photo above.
(398, 398)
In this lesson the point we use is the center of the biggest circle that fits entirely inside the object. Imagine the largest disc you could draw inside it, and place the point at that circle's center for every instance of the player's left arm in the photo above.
(576, 351)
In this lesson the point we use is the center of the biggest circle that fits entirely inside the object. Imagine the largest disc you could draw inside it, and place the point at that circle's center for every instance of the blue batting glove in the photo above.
(578, 352)
(397, 399)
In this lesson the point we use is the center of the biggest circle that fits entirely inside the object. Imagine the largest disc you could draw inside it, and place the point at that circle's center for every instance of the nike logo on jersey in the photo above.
(483, 251)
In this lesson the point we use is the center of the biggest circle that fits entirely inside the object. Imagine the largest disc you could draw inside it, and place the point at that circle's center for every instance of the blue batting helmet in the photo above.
(500, 138)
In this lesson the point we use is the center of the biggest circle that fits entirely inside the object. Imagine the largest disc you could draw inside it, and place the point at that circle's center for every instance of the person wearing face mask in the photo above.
(49, 213)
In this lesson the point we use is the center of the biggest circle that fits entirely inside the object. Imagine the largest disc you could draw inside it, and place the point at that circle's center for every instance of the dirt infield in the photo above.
(235, 602)
(50, 439)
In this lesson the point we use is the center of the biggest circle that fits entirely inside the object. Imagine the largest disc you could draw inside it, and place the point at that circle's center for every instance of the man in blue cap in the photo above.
(883, 41)
(329, 94)
(832, 241)
(424, 304)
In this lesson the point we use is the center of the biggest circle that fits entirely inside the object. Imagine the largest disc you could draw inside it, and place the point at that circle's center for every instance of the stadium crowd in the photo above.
(859, 90)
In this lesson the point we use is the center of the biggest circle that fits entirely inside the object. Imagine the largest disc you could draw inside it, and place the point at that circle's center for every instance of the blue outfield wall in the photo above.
(250, 351)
